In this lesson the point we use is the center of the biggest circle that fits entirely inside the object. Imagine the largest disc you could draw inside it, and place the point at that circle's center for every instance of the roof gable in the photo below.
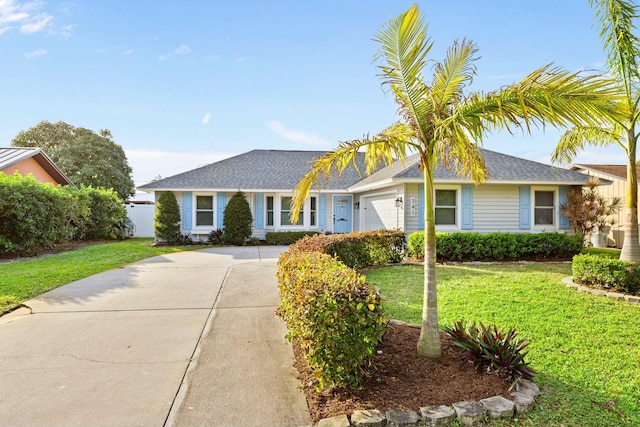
(14, 155)
(618, 171)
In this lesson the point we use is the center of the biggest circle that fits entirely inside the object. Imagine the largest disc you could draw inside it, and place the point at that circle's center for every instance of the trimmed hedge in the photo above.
(462, 246)
(358, 250)
(336, 317)
(34, 215)
(607, 273)
(287, 237)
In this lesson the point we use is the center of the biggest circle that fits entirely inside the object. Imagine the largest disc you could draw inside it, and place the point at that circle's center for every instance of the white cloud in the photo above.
(183, 50)
(294, 135)
(35, 53)
(148, 164)
(27, 16)
(206, 119)
(36, 24)
(128, 52)
(164, 57)
(212, 57)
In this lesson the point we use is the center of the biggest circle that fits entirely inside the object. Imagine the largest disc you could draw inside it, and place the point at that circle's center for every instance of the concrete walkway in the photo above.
(183, 339)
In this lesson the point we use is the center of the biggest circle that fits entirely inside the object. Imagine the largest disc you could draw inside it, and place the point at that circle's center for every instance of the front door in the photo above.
(342, 214)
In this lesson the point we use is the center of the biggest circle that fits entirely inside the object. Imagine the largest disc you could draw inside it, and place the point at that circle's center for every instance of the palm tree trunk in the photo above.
(429, 342)
(631, 246)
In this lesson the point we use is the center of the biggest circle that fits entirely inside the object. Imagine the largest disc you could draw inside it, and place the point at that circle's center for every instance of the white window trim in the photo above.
(277, 211)
(201, 229)
(458, 189)
(544, 227)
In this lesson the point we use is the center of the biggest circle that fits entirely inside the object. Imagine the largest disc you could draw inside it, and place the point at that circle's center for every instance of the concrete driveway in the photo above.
(189, 338)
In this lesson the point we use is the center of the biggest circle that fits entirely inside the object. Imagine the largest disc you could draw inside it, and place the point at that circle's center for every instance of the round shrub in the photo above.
(237, 220)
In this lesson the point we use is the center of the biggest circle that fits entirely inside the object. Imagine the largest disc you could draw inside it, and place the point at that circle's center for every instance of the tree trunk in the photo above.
(631, 246)
(429, 342)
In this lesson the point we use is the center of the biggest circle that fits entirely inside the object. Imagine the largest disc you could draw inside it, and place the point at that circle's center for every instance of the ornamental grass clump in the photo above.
(493, 350)
(331, 312)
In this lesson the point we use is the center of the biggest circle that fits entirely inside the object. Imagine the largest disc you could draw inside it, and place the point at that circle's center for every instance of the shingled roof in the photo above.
(502, 169)
(277, 170)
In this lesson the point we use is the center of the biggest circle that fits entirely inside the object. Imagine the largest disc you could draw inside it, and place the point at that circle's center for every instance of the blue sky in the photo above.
(182, 84)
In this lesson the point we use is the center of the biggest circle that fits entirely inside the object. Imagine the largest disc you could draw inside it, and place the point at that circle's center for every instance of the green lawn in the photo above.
(586, 348)
(22, 280)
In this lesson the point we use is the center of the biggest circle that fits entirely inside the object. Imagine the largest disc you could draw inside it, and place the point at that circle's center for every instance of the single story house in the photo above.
(616, 176)
(31, 161)
(519, 196)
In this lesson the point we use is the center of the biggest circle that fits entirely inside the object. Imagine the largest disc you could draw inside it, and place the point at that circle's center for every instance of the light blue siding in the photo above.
(525, 207)
(421, 206)
(322, 211)
(187, 210)
(221, 203)
(467, 207)
(259, 214)
(562, 196)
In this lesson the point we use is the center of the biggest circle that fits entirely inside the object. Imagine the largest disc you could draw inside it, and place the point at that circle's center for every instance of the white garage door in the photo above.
(379, 212)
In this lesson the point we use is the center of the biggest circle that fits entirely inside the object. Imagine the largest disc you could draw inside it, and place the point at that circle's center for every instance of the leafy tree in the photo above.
(616, 25)
(85, 157)
(441, 122)
(237, 220)
(167, 217)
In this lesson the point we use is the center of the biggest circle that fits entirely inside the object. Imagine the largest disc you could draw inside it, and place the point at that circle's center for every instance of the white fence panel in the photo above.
(142, 217)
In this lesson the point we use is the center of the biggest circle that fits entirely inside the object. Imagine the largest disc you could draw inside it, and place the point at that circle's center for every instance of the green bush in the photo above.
(107, 213)
(462, 246)
(167, 218)
(358, 250)
(607, 273)
(287, 237)
(215, 237)
(336, 318)
(31, 214)
(237, 220)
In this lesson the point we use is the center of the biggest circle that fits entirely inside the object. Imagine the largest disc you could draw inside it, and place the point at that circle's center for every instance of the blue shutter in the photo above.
(525, 207)
(467, 207)
(221, 203)
(322, 211)
(562, 196)
(421, 206)
(187, 210)
(259, 210)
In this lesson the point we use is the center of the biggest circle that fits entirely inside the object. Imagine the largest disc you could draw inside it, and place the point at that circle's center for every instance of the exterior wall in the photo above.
(30, 166)
(494, 208)
(616, 189)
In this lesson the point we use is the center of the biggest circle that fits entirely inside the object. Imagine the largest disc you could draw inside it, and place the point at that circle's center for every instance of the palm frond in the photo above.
(393, 143)
(404, 45)
(459, 152)
(454, 73)
(616, 21)
(548, 96)
(574, 140)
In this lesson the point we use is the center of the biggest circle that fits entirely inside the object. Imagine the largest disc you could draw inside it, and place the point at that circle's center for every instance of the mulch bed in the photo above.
(403, 380)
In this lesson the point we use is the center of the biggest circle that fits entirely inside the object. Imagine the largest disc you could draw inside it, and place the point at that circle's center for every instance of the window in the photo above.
(445, 207)
(312, 211)
(285, 208)
(204, 211)
(543, 212)
(270, 210)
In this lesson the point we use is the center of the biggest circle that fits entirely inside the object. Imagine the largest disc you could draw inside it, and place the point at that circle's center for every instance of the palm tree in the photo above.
(615, 18)
(444, 125)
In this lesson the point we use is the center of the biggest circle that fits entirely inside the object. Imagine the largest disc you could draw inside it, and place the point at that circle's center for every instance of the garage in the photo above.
(379, 212)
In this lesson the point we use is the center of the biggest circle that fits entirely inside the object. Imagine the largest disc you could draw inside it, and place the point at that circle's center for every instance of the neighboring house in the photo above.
(519, 196)
(31, 161)
(617, 175)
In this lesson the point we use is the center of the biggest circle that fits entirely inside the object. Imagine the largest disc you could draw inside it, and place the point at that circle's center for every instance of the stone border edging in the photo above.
(601, 292)
(469, 413)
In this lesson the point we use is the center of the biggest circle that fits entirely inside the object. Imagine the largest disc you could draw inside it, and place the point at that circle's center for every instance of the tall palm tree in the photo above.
(616, 21)
(444, 125)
